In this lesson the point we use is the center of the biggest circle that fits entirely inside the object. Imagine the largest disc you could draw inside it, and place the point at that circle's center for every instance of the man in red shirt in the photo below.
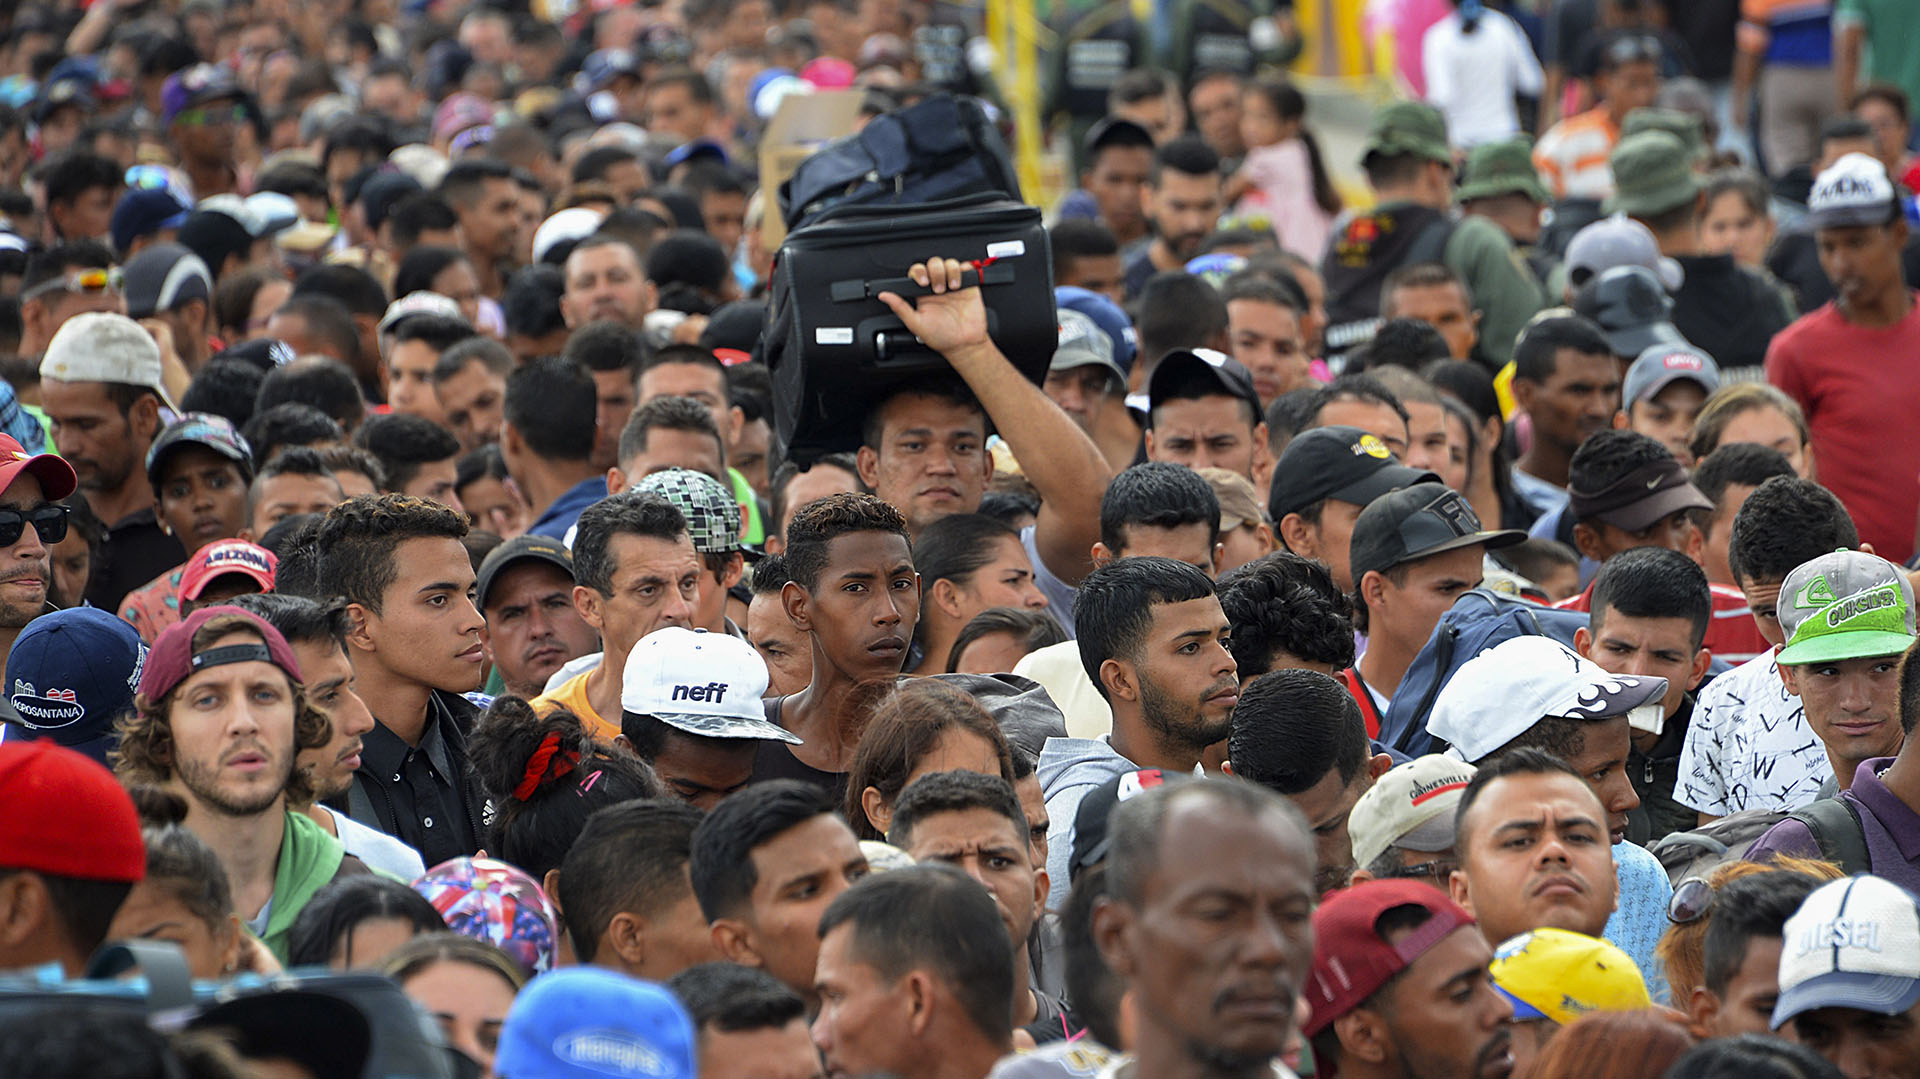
(1849, 364)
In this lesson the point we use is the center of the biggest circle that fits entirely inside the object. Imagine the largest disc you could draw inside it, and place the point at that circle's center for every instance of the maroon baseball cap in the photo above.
(56, 476)
(172, 659)
(1351, 960)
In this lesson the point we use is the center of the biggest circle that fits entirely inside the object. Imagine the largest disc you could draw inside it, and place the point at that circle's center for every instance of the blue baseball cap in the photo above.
(1105, 314)
(145, 211)
(590, 1023)
(70, 675)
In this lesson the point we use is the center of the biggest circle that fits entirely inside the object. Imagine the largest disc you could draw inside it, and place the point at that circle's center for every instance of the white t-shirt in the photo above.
(378, 849)
(1473, 78)
(1749, 745)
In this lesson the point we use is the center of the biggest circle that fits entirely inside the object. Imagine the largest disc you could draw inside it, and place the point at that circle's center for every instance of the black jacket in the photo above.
(426, 796)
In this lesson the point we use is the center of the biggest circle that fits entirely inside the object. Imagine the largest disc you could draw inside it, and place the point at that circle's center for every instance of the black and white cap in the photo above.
(705, 684)
(1852, 192)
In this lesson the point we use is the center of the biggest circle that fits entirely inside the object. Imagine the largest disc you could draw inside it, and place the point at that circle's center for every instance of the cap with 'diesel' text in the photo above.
(700, 683)
(1854, 943)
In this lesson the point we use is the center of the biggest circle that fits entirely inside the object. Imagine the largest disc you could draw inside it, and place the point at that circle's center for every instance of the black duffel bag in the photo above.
(939, 149)
(836, 352)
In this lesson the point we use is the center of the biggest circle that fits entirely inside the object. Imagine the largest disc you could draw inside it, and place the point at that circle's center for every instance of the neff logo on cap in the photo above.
(711, 693)
(1856, 605)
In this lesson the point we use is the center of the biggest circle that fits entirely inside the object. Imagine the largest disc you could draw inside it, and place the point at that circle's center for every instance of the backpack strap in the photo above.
(1431, 244)
(1836, 827)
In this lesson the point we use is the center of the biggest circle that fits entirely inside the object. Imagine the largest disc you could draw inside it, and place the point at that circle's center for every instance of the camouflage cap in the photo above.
(713, 517)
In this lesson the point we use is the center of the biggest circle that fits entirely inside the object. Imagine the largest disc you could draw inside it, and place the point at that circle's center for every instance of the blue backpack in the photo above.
(1478, 620)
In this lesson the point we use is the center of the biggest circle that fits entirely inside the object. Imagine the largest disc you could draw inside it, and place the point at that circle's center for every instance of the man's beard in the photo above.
(1229, 1062)
(17, 615)
(1176, 722)
(202, 782)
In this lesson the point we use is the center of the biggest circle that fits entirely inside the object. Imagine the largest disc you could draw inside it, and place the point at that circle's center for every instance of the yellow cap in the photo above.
(1561, 975)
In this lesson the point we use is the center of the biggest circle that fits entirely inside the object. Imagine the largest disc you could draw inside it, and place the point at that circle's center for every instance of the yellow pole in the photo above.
(1012, 27)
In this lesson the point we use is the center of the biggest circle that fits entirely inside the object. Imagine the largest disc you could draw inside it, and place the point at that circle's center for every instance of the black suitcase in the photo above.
(835, 351)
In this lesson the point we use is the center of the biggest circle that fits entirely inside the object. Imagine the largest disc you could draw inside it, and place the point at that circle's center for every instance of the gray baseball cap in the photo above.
(1084, 344)
(1619, 241)
(700, 683)
(1657, 367)
(1845, 605)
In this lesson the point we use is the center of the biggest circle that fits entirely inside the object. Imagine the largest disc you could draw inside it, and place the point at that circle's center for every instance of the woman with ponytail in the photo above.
(546, 775)
(1284, 175)
(1477, 61)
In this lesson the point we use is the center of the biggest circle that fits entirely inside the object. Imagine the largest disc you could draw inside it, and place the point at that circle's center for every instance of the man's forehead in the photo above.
(1529, 795)
(25, 490)
(1187, 615)
(907, 410)
(972, 826)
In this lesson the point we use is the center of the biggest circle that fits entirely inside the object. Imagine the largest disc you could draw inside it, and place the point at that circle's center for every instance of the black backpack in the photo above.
(1697, 852)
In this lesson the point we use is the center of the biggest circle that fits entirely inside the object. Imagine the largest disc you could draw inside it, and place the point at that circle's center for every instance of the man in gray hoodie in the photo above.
(1154, 641)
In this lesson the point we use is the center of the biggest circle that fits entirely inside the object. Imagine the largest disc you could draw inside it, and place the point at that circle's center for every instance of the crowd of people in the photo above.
(1456, 628)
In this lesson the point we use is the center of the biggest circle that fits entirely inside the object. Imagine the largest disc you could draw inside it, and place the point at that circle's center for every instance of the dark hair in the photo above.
(551, 403)
(1177, 310)
(937, 919)
(629, 513)
(353, 459)
(597, 162)
(1139, 84)
(479, 463)
(321, 382)
(299, 619)
(1536, 353)
(1404, 343)
(721, 865)
(326, 924)
(1077, 238)
(1887, 94)
(729, 997)
(1090, 983)
(76, 172)
(1615, 1045)
(109, 1040)
(287, 425)
(439, 332)
(1135, 832)
(484, 351)
(1785, 522)
(1157, 494)
(1609, 456)
(1114, 607)
(690, 268)
(357, 541)
(1188, 155)
(1653, 582)
(606, 345)
(1751, 1056)
(358, 290)
(531, 305)
(233, 297)
(954, 547)
(329, 320)
(906, 726)
(953, 792)
(44, 266)
(667, 414)
(403, 444)
(1355, 387)
(465, 182)
(1468, 382)
(1748, 464)
(414, 215)
(784, 476)
(1535, 558)
(542, 799)
(1746, 907)
(225, 387)
(1035, 629)
(292, 541)
(947, 388)
(420, 266)
(1292, 727)
(1283, 603)
(629, 857)
(816, 525)
(1288, 103)
(685, 355)
(1909, 692)
(680, 75)
(1507, 761)
(1842, 127)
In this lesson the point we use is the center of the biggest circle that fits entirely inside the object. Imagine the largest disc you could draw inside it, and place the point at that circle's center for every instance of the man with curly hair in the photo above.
(222, 717)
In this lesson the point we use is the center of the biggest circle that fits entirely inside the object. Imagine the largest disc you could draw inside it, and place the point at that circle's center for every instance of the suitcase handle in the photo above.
(994, 272)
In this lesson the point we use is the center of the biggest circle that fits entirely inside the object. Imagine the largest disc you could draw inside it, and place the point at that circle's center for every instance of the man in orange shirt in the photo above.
(1572, 155)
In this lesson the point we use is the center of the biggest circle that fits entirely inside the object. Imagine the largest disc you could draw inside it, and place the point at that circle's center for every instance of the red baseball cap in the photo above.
(66, 816)
(223, 557)
(1351, 960)
(55, 475)
(172, 659)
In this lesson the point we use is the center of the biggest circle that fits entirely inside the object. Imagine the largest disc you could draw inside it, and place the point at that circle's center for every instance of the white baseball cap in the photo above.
(1410, 806)
(706, 684)
(1854, 943)
(1852, 191)
(100, 346)
(1501, 693)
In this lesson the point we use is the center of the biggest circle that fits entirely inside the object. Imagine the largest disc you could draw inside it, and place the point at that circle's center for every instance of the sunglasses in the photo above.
(204, 117)
(88, 280)
(49, 521)
(1692, 898)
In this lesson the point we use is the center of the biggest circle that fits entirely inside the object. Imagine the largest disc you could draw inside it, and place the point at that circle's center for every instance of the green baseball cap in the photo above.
(1845, 605)
(1502, 168)
(1684, 126)
(1651, 175)
(1408, 127)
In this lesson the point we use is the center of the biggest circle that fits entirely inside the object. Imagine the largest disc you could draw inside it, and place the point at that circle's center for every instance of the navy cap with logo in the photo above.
(71, 674)
(144, 211)
(1418, 522)
(1341, 463)
(1184, 373)
(524, 548)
